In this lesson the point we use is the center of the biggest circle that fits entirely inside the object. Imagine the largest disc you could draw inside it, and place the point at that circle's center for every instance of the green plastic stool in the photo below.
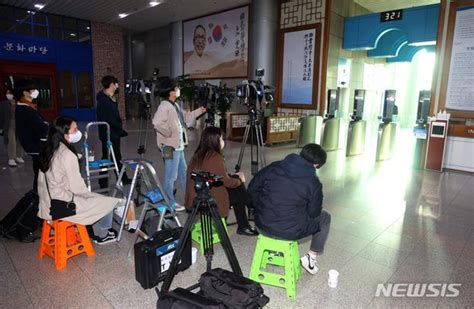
(283, 253)
(196, 234)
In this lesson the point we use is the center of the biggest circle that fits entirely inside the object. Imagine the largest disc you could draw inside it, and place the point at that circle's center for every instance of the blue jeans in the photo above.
(175, 169)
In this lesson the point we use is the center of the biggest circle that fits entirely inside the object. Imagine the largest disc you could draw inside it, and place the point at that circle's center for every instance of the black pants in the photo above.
(239, 199)
(35, 159)
(103, 182)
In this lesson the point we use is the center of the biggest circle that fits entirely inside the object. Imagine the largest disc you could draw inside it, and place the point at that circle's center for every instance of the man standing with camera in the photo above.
(107, 110)
(287, 197)
(169, 122)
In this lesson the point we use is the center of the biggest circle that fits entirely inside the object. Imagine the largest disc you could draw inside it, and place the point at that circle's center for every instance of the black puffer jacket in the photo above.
(287, 196)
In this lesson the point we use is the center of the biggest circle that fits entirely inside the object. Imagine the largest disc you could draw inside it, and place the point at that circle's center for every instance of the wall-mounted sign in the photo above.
(299, 67)
(26, 49)
(460, 93)
(391, 15)
(216, 46)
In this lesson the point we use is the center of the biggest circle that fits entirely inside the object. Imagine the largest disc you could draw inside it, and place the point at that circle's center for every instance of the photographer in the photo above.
(208, 157)
(288, 197)
(169, 122)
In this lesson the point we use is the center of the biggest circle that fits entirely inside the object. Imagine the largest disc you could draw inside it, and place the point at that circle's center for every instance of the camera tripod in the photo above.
(254, 129)
(205, 205)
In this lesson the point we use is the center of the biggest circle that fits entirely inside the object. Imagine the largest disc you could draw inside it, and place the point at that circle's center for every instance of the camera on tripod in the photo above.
(253, 93)
(205, 180)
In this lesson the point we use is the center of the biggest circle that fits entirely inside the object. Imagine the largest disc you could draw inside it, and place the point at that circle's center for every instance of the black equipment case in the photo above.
(153, 256)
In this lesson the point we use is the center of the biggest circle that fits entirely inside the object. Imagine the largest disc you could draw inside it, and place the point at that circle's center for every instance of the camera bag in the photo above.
(232, 290)
(180, 298)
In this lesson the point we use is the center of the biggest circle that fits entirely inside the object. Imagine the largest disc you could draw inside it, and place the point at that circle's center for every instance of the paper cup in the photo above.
(332, 278)
(194, 252)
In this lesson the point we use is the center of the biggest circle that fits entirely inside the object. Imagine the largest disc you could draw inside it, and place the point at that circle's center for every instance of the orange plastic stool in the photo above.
(62, 240)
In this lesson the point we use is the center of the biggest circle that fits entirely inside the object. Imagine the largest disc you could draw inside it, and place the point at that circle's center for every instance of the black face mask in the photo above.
(117, 91)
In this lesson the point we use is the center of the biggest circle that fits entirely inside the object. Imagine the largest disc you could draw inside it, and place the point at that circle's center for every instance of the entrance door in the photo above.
(44, 77)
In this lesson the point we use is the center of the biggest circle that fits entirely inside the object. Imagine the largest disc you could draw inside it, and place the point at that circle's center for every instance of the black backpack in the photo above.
(22, 221)
(232, 290)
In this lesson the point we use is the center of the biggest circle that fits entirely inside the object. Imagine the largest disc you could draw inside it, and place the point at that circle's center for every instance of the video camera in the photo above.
(205, 180)
(253, 93)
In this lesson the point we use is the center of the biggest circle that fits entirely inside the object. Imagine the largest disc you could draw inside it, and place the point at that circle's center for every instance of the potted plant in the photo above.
(224, 103)
(186, 84)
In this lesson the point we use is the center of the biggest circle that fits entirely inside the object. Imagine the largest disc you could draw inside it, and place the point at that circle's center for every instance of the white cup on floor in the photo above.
(194, 252)
(332, 279)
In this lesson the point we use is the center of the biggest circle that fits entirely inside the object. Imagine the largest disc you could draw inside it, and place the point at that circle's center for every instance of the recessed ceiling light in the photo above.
(154, 3)
(39, 6)
(123, 15)
(72, 34)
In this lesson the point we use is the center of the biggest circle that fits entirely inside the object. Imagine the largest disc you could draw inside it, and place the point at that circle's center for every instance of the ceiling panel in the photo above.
(141, 15)
(388, 5)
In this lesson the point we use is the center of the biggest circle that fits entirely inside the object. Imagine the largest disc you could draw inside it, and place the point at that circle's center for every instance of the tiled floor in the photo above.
(390, 224)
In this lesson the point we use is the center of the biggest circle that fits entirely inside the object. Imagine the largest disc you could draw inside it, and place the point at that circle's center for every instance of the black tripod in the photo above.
(254, 129)
(205, 205)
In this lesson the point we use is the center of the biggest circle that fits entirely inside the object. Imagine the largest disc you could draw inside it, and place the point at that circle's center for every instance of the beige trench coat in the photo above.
(64, 179)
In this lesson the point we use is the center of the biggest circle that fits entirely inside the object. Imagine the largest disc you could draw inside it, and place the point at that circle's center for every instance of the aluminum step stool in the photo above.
(145, 180)
(95, 167)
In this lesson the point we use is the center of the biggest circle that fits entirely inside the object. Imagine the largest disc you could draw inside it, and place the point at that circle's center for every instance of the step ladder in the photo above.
(94, 167)
(146, 184)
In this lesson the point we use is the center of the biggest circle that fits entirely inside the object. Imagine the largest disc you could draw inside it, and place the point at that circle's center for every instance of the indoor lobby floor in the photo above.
(390, 224)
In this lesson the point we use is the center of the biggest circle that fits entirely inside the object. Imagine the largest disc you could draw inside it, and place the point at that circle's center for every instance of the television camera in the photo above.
(209, 96)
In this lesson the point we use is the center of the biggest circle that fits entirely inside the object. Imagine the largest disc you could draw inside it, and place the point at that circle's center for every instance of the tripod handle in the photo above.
(237, 168)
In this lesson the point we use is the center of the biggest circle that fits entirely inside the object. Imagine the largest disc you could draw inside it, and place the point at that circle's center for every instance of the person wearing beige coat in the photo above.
(65, 183)
(170, 123)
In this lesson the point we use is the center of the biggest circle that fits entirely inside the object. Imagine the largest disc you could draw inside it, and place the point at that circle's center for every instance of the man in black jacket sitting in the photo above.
(107, 110)
(288, 196)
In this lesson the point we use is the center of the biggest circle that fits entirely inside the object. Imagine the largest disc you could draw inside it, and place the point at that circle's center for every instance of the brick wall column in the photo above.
(108, 57)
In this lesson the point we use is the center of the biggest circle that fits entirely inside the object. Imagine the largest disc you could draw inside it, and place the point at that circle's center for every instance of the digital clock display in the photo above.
(391, 16)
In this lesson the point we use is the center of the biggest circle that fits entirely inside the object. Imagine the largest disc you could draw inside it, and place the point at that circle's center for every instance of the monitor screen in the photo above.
(438, 130)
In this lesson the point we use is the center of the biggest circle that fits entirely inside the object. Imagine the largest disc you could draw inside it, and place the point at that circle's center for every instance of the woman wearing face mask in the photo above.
(59, 171)
(7, 124)
(208, 157)
(170, 123)
(31, 128)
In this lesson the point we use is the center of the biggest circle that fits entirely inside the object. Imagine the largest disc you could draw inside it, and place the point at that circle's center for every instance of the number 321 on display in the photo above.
(391, 15)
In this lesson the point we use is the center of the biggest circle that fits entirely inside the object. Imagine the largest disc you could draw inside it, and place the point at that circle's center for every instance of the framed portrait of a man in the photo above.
(216, 46)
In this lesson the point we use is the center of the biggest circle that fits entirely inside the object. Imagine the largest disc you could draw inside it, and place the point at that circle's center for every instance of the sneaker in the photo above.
(20, 160)
(12, 163)
(178, 207)
(111, 237)
(309, 263)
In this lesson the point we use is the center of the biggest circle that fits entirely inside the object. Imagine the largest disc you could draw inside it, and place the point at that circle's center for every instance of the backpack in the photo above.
(232, 290)
(181, 298)
(22, 221)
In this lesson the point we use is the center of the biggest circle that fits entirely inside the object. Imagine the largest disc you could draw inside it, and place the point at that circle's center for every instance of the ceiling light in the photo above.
(154, 3)
(88, 28)
(72, 34)
(39, 6)
(123, 15)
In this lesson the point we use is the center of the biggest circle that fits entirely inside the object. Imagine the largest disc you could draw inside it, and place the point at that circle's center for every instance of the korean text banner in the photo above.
(216, 46)
(298, 67)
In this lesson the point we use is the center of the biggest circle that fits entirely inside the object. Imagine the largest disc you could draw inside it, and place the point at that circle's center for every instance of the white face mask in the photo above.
(35, 94)
(75, 137)
(9, 97)
(178, 92)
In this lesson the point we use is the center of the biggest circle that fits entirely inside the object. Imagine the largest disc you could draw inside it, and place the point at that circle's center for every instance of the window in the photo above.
(84, 89)
(43, 84)
(67, 93)
(39, 24)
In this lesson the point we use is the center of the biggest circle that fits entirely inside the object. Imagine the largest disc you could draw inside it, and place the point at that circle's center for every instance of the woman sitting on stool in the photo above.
(59, 166)
(208, 157)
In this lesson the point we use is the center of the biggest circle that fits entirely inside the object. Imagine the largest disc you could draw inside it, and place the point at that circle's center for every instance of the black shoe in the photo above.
(247, 231)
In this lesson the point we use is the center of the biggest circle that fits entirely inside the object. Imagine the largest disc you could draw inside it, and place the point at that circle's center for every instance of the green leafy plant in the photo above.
(186, 84)
(224, 102)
